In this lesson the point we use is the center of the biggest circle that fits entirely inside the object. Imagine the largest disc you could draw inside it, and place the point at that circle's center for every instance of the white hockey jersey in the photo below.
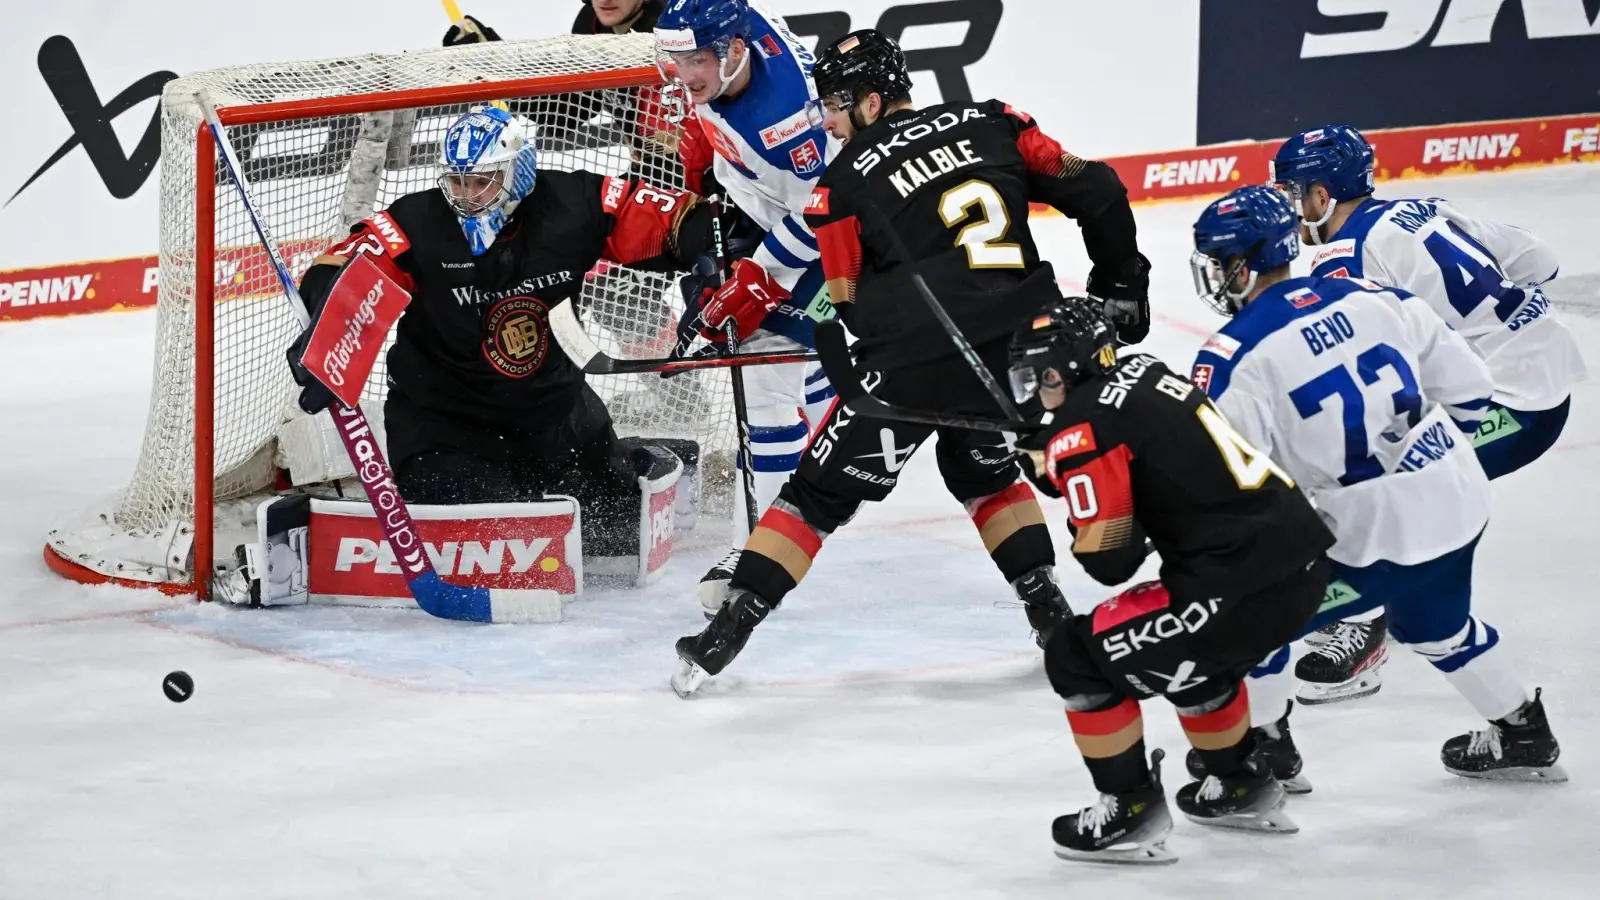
(771, 147)
(1481, 277)
(1352, 389)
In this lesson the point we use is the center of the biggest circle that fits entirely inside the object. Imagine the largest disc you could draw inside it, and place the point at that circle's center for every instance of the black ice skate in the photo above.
(1128, 829)
(709, 652)
(1277, 745)
(1346, 667)
(714, 584)
(1322, 636)
(1041, 599)
(1519, 747)
(1252, 800)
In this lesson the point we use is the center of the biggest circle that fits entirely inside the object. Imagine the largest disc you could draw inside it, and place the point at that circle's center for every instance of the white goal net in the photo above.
(324, 144)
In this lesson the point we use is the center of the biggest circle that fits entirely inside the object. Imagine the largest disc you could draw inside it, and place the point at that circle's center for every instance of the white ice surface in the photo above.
(888, 733)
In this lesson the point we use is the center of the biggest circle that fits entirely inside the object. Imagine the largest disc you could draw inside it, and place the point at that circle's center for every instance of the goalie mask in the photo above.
(486, 167)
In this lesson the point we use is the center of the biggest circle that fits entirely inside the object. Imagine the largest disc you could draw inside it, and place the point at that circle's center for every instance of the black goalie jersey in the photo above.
(474, 345)
(1140, 452)
(946, 189)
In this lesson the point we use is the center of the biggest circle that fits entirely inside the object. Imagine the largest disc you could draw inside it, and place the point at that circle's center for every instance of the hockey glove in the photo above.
(745, 298)
(475, 32)
(1126, 290)
(314, 395)
(1030, 458)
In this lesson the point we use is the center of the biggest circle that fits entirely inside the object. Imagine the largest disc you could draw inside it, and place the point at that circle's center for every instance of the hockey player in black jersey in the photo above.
(944, 191)
(1143, 460)
(482, 405)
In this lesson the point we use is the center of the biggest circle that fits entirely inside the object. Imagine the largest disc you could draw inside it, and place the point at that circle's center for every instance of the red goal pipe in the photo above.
(205, 318)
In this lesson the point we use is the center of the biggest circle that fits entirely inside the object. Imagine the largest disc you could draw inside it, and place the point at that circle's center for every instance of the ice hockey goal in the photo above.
(325, 144)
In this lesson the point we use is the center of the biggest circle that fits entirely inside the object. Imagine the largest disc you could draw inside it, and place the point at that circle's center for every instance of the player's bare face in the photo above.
(700, 72)
(836, 118)
(472, 193)
(612, 13)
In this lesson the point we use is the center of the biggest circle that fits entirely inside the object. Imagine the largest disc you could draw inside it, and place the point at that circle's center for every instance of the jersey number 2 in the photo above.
(983, 236)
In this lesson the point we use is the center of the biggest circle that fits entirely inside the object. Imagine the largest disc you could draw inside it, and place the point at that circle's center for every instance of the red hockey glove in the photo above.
(746, 298)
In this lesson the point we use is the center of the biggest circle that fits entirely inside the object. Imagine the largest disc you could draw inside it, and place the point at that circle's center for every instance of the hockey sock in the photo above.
(779, 553)
(1271, 688)
(1483, 677)
(1111, 740)
(1220, 731)
(1013, 530)
(775, 449)
(819, 399)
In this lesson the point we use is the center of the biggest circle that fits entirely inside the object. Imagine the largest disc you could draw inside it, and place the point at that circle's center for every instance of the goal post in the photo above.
(325, 143)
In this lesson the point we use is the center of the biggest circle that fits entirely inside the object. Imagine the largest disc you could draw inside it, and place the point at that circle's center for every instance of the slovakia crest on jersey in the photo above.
(1300, 298)
(1202, 377)
(806, 158)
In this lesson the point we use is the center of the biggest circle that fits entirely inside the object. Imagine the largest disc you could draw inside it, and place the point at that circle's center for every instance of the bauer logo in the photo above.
(1451, 56)
(1463, 149)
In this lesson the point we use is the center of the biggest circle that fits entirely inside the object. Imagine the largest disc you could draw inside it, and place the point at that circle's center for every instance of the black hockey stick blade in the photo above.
(589, 357)
(835, 356)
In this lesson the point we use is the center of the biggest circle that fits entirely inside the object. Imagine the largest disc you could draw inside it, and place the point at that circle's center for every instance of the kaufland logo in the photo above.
(1214, 170)
(451, 557)
(1463, 149)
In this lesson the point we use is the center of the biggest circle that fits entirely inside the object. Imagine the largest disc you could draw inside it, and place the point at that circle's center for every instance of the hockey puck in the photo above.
(178, 686)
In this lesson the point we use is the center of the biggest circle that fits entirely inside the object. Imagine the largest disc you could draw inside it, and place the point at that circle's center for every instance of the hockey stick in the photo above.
(433, 594)
(587, 355)
(841, 371)
(741, 411)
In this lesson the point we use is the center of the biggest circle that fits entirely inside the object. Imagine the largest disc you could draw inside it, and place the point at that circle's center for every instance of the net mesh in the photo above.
(311, 177)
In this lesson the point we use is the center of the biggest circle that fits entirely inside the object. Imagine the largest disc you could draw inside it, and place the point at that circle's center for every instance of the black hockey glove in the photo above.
(1030, 456)
(1126, 290)
(475, 33)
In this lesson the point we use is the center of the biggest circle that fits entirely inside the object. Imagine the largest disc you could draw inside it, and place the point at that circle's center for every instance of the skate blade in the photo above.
(1155, 854)
(1273, 821)
(688, 678)
(1299, 784)
(1364, 685)
(1553, 774)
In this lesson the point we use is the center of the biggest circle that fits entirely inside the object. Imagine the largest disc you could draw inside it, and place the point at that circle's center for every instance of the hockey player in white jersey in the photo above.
(1367, 398)
(755, 108)
(1482, 278)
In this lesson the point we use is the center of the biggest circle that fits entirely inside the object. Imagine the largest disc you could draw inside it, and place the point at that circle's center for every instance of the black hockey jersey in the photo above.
(946, 189)
(1141, 452)
(474, 344)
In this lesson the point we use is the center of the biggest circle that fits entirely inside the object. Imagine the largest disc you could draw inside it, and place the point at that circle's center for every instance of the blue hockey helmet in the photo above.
(687, 27)
(487, 165)
(1254, 230)
(1334, 156)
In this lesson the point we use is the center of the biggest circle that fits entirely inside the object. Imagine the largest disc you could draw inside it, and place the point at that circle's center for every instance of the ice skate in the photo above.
(1519, 747)
(1252, 800)
(1277, 746)
(703, 655)
(1321, 636)
(1125, 829)
(1043, 603)
(714, 584)
(1347, 666)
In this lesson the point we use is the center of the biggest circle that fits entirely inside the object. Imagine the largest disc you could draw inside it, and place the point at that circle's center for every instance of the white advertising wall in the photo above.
(82, 79)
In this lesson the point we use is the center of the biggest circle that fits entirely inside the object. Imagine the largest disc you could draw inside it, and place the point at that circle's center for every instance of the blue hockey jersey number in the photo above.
(1470, 275)
(1309, 398)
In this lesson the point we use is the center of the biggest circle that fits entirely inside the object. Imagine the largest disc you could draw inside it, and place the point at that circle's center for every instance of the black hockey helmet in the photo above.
(860, 63)
(1071, 336)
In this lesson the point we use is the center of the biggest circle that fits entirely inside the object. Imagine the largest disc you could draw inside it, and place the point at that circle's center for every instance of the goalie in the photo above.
(482, 406)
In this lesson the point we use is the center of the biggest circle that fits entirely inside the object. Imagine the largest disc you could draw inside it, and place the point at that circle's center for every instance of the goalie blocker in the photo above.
(313, 550)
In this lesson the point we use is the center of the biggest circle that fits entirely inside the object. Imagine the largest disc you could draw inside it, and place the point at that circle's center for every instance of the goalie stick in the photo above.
(432, 593)
(587, 355)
